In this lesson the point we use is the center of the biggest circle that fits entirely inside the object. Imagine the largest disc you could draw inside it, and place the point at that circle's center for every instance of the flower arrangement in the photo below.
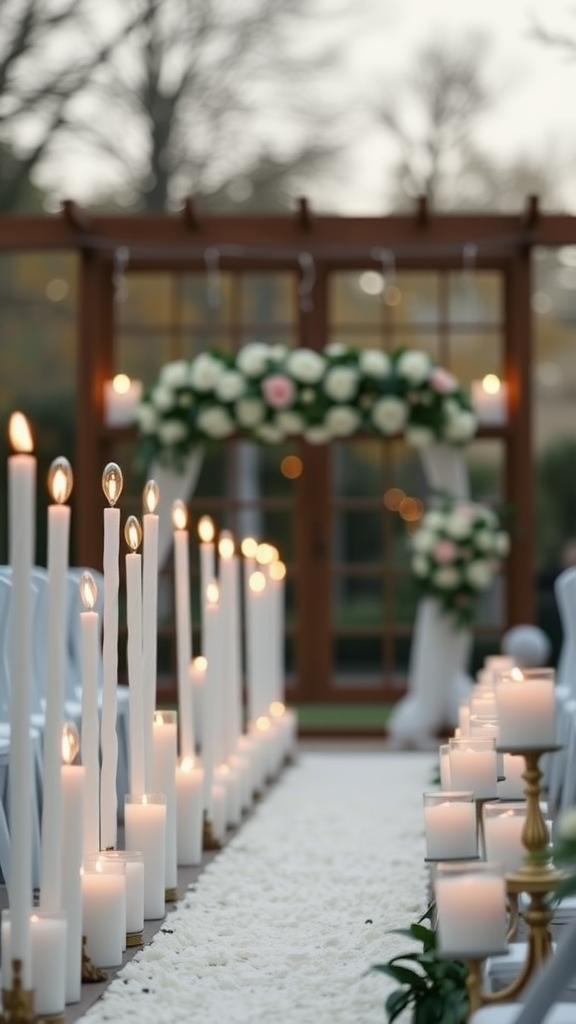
(456, 553)
(268, 393)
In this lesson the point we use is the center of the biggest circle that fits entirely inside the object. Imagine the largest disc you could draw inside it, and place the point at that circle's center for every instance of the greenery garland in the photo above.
(269, 393)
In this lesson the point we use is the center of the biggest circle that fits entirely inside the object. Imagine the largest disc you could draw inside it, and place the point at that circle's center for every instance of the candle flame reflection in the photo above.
(151, 496)
(19, 433)
(88, 590)
(60, 479)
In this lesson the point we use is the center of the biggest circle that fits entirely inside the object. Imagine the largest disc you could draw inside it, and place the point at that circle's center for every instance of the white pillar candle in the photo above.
(121, 398)
(21, 506)
(189, 811)
(219, 812)
(471, 909)
(183, 627)
(277, 576)
(60, 486)
(149, 619)
(450, 826)
(240, 763)
(133, 864)
(145, 830)
(112, 483)
(503, 825)
(133, 535)
(256, 646)
(89, 626)
(229, 586)
(206, 533)
(73, 786)
(473, 767)
(464, 719)
(197, 681)
(103, 911)
(525, 703)
(165, 754)
(513, 785)
(445, 780)
(48, 958)
(211, 739)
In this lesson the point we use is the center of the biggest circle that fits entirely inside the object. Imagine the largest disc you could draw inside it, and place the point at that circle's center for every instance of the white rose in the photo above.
(306, 365)
(317, 435)
(419, 437)
(147, 418)
(163, 398)
(172, 431)
(252, 359)
(423, 540)
(501, 543)
(269, 433)
(484, 540)
(231, 386)
(446, 578)
(289, 423)
(434, 519)
(249, 412)
(279, 352)
(215, 421)
(478, 573)
(342, 421)
(374, 363)
(341, 383)
(175, 374)
(389, 414)
(420, 566)
(414, 366)
(457, 526)
(205, 372)
(461, 427)
(486, 516)
(567, 824)
(335, 349)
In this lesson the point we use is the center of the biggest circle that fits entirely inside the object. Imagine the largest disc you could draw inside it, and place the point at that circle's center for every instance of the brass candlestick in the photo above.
(17, 1002)
(209, 841)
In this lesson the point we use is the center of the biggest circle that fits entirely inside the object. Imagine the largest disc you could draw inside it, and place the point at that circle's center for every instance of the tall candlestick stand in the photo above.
(17, 1002)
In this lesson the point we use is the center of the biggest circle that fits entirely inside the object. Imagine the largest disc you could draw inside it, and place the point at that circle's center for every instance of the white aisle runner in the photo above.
(284, 923)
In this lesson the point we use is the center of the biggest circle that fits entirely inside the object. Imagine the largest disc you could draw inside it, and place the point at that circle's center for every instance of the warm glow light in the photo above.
(212, 593)
(206, 529)
(200, 663)
(133, 533)
(392, 295)
(226, 544)
(187, 764)
(277, 709)
(99, 866)
(411, 509)
(517, 674)
(19, 433)
(491, 384)
(70, 742)
(393, 498)
(150, 496)
(60, 480)
(88, 590)
(265, 554)
(121, 383)
(257, 582)
(291, 467)
(249, 547)
(263, 723)
(158, 718)
(179, 515)
(277, 571)
(223, 769)
(112, 482)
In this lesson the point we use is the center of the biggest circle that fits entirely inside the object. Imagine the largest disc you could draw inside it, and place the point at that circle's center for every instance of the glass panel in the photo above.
(356, 468)
(476, 297)
(357, 601)
(419, 305)
(146, 299)
(426, 341)
(141, 354)
(201, 302)
(357, 536)
(402, 595)
(268, 298)
(475, 353)
(486, 468)
(360, 337)
(350, 302)
(357, 659)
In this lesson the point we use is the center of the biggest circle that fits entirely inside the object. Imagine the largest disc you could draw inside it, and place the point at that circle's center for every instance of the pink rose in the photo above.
(445, 551)
(278, 390)
(442, 381)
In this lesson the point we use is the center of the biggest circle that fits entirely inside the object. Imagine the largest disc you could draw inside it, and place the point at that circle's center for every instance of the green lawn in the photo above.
(342, 716)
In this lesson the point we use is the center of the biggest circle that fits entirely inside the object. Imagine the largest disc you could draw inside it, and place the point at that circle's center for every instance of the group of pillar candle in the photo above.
(474, 823)
(196, 768)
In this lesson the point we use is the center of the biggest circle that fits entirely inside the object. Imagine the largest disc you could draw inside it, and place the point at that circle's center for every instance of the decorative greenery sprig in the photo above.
(564, 853)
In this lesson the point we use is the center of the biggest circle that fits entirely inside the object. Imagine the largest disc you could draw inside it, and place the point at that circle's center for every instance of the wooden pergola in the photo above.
(174, 243)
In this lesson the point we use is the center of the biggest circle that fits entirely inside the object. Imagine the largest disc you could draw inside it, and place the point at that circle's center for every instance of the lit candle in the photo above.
(445, 780)
(471, 907)
(206, 532)
(121, 398)
(183, 627)
(256, 661)
(473, 766)
(450, 825)
(211, 738)
(48, 958)
(112, 483)
(60, 486)
(165, 748)
(104, 911)
(489, 398)
(133, 536)
(149, 618)
(525, 703)
(90, 729)
(145, 830)
(189, 811)
(229, 584)
(218, 819)
(197, 681)
(503, 824)
(73, 786)
(277, 577)
(134, 868)
(248, 547)
(21, 504)
(464, 719)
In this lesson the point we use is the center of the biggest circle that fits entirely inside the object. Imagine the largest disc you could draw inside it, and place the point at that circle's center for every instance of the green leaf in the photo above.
(402, 974)
(396, 1002)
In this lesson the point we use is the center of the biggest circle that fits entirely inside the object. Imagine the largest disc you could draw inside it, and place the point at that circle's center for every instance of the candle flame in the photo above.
(112, 482)
(277, 571)
(206, 529)
(179, 515)
(158, 718)
(257, 582)
(517, 675)
(249, 546)
(88, 590)
(212, 593)
(187, 764)
(226, 544)
(70, 742)
(263, 723)
(151, 496)
(200, 663)
(491, 384)
(60, 479)
(265, 554)
(121, 383)
(277, 709)
(133, 533)
(20, 433)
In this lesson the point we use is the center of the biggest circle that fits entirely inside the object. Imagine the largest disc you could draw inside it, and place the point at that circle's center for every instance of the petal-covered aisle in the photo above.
(284, 923)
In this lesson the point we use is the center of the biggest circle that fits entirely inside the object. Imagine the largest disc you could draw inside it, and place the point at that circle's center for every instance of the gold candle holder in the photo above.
(90, 973)
(17, 1002)
(209, 841)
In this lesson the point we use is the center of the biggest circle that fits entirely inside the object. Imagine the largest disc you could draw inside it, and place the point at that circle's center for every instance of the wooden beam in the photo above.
(76, 216)
(191, 213)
